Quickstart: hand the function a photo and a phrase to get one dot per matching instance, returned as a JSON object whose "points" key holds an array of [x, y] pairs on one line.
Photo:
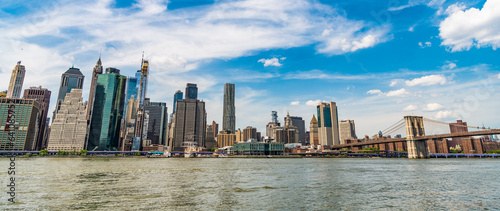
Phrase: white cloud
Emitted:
{"points": [[498, 76], [427, 80], [425, 45], [463, 29], [313, 102], [272, 62], [374, 92], [450, 66], [398, 93], [432, 107], [410, 108], [446, 115], [295, 103]]}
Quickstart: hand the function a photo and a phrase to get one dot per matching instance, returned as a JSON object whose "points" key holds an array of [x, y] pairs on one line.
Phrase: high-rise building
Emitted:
{"points": [[301, 128], [458, 127], [287, 134], [270, 128], [107, 111], [347, 130], [143, 82], [249, 133], [90, 103], [210, 138], [157, 122], [42, 96], [177, 97], [19, 119], [239, 136], [191, 91], [131, 88], [71, 79], [328, 124], [225, 138], [190, 124], [313, 132], [68, 130], [229, 117], [215, 128], [274, 115], [16, 81]]}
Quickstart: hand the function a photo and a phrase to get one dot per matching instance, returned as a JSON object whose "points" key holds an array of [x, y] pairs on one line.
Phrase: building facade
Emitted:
{"points": [[191, 91], [190, 124], [71, 79], [328, 127], [19, 124], [177, 97], [347, 130], [157, 122], [250, 133], [301, 128], [313, 132], [225, 138], [69, 128], [16, 81], [93, 83], [42, 96], [105, 125], [229, 117]]}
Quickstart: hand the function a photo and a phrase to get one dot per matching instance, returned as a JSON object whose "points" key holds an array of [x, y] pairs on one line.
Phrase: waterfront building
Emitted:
{"points": [[190, 121], [258, 148], [250, 133], [347, 130], [69, 128], [157, 122], [19, 118], [191, 91], [229, 117], [16, 81], [328, 124], [98, 68], [177, 97], [105, 125], [301, 128], [225, 138], [313, 132], [42, 96], [458, 127]]}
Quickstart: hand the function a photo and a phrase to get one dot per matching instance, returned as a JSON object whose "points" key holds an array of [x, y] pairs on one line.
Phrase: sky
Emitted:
{"points": [[378, 60]]}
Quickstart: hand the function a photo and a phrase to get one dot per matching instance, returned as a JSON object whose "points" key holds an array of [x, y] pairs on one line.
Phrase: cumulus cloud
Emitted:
{"points": [[398, 93], [432, 107], [313, 102], [295, 103], [425, 45], [450, 66], [427, 80], [410, 108], [272, 62], [466, 28], [446, 115], [374, 92], [498, 76]]}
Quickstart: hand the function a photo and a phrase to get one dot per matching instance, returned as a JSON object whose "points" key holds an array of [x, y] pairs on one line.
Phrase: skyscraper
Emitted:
{"points": [[191, 91], [301, 128], [347, 130], [69, 128], [229, 119], [328, 124], [272, 125], [96, 72], [71, 79], [177, 97], [16, 81], [20, 119], [250, 133], [287, 134], [42, 96], [107, 111], [313, 132], [189, 124], [157, 122], [131, 88]]}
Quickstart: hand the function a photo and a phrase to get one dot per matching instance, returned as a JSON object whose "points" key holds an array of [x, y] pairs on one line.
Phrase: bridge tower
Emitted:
{"points": [[415, 127]]}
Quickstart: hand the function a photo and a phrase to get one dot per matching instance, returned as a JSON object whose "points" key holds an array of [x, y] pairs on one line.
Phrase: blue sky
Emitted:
{"points": [[379, 60]]}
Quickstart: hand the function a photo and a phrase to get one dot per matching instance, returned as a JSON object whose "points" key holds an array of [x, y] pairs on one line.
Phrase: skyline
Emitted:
{"points": [[382, 70]]}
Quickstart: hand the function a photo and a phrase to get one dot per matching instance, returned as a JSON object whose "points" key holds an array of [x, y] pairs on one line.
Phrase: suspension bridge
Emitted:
{"points": [[416, 141]]}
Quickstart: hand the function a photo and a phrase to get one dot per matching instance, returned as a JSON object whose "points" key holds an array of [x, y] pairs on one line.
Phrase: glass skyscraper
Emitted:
{"points": [[177, 97], [191, 91], [71, 79], [131, 88], [107, 111]]}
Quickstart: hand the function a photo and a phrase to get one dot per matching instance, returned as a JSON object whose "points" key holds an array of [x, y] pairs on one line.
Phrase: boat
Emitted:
{"points": [[189, 149]]}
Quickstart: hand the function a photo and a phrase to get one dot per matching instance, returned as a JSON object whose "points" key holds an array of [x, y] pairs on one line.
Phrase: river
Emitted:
{"points": [[138, 183]]}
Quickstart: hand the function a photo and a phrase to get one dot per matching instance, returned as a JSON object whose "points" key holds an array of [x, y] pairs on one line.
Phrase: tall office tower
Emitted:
{"points": [[71, 79], [287, 134], [190, 124], [131, 88], [313, 132], [239, 136], [301, 128], [458, 127], [157, 122], [19, 118], [90, 103], [16, 81], [210, 138], [270, 128], [328, 124], [229, 119], [177, 97], [215, 128], [191, 91], [143, 82], [68, 130], [107, 111], [42, 96], [249, 133], [347, 130], [274, 115]]}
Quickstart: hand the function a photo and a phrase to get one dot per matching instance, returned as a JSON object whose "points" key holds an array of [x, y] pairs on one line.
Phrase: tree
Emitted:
{"points": [[83, 152], [43, 152]]}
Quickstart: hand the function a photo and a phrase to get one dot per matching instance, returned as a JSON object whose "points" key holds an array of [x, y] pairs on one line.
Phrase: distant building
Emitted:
{"points": [[347, 130], [69, 127], [71, 79], [131, 93], [229, 117], [313, 132], [19, 119], [301, 128], [239, 136], [458, 127], [249, 133], [177, 97], [215, 128], [328, 124], [289, 133], [158, 120], [225, 138], [16, 81], [210, 138], [42, 96], [270, 127], [98, 69], [191, 91], [258, 148], [107, 114]]}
